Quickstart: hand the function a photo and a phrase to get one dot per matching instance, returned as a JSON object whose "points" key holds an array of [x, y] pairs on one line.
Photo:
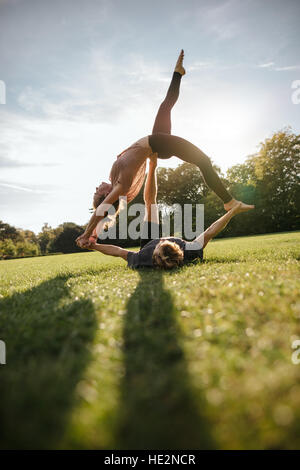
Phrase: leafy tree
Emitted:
{"points": [[277, 169], [7, 249], [27, 248], [46, 235], [28, 235], [243, 173], [242, 182], [64, 240], [270, 180], [9, 231], [181, 185]]}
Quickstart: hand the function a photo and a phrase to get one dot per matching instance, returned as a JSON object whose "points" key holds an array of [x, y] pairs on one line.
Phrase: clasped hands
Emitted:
{"points": [[86, 242]]}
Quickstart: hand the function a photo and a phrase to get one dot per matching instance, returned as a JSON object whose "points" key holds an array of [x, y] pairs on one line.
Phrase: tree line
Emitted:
{"points": [[16, 243], [269, 179]]}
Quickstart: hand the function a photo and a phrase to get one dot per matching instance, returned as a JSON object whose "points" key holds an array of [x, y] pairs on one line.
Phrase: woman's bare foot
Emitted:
{"points": [[239, 206], [179, 67]]}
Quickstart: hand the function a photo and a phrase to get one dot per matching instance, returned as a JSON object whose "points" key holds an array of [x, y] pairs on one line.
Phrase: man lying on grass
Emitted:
{"points": [[169, 252]]}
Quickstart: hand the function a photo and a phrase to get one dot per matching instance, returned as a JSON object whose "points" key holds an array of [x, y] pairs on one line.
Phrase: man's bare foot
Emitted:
{"points": [[179, 67], [239, 206]]}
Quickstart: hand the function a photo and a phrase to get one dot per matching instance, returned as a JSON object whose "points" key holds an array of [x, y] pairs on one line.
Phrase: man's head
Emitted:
{"points": [[101, 192], [167, 255]]}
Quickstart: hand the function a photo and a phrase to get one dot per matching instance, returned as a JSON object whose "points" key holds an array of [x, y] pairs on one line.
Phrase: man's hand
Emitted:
{"points": [[91, 245], [82, 240]]}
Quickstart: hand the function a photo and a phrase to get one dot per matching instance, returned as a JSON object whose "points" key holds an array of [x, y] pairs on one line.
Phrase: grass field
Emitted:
{"points": [[100, 356]]}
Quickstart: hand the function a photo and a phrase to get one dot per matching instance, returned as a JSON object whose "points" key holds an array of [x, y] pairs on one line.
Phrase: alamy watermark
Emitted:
{"points": [[2, 352], [296, 94], [296, 354], [2, 92], [183, 222]]}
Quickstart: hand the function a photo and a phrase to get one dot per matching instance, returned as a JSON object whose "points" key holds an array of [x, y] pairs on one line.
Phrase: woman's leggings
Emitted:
{"points": [[166, 145], [162, 121]]}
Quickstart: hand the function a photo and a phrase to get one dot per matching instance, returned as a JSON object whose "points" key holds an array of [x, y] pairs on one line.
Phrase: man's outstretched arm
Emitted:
{"points": [[220, 224], [150, 193], [110, 250]]}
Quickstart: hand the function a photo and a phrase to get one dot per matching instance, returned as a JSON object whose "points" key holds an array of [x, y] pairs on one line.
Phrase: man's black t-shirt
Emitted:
{"points": [[143, 258]]}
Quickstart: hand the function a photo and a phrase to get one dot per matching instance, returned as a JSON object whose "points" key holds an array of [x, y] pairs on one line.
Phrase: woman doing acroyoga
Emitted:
{"points": [[128, 172]]}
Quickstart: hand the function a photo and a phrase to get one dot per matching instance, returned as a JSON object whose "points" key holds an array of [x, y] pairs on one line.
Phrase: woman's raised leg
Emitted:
{"points": [[162, 121], [167, 146]]}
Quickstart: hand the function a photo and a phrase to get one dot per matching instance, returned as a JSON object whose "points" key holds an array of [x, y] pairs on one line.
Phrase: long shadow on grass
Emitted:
{"points": [[158, 406], [47, 337]]}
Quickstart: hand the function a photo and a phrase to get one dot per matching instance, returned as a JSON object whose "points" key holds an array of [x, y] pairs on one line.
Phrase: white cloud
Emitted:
{"points": [[287, 68], [271, 65], [200, 66], [266, 65], [23, 188]]}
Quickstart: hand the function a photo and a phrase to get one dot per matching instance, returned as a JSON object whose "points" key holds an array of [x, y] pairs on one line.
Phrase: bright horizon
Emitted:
{"points": [[84, 81]]}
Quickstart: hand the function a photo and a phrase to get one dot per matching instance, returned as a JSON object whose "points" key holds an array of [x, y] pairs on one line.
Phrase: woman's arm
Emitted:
{"points": [[99, 214]]}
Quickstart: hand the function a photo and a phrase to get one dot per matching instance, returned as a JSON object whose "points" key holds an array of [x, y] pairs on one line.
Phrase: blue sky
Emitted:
{"points": [[84, 80]]}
